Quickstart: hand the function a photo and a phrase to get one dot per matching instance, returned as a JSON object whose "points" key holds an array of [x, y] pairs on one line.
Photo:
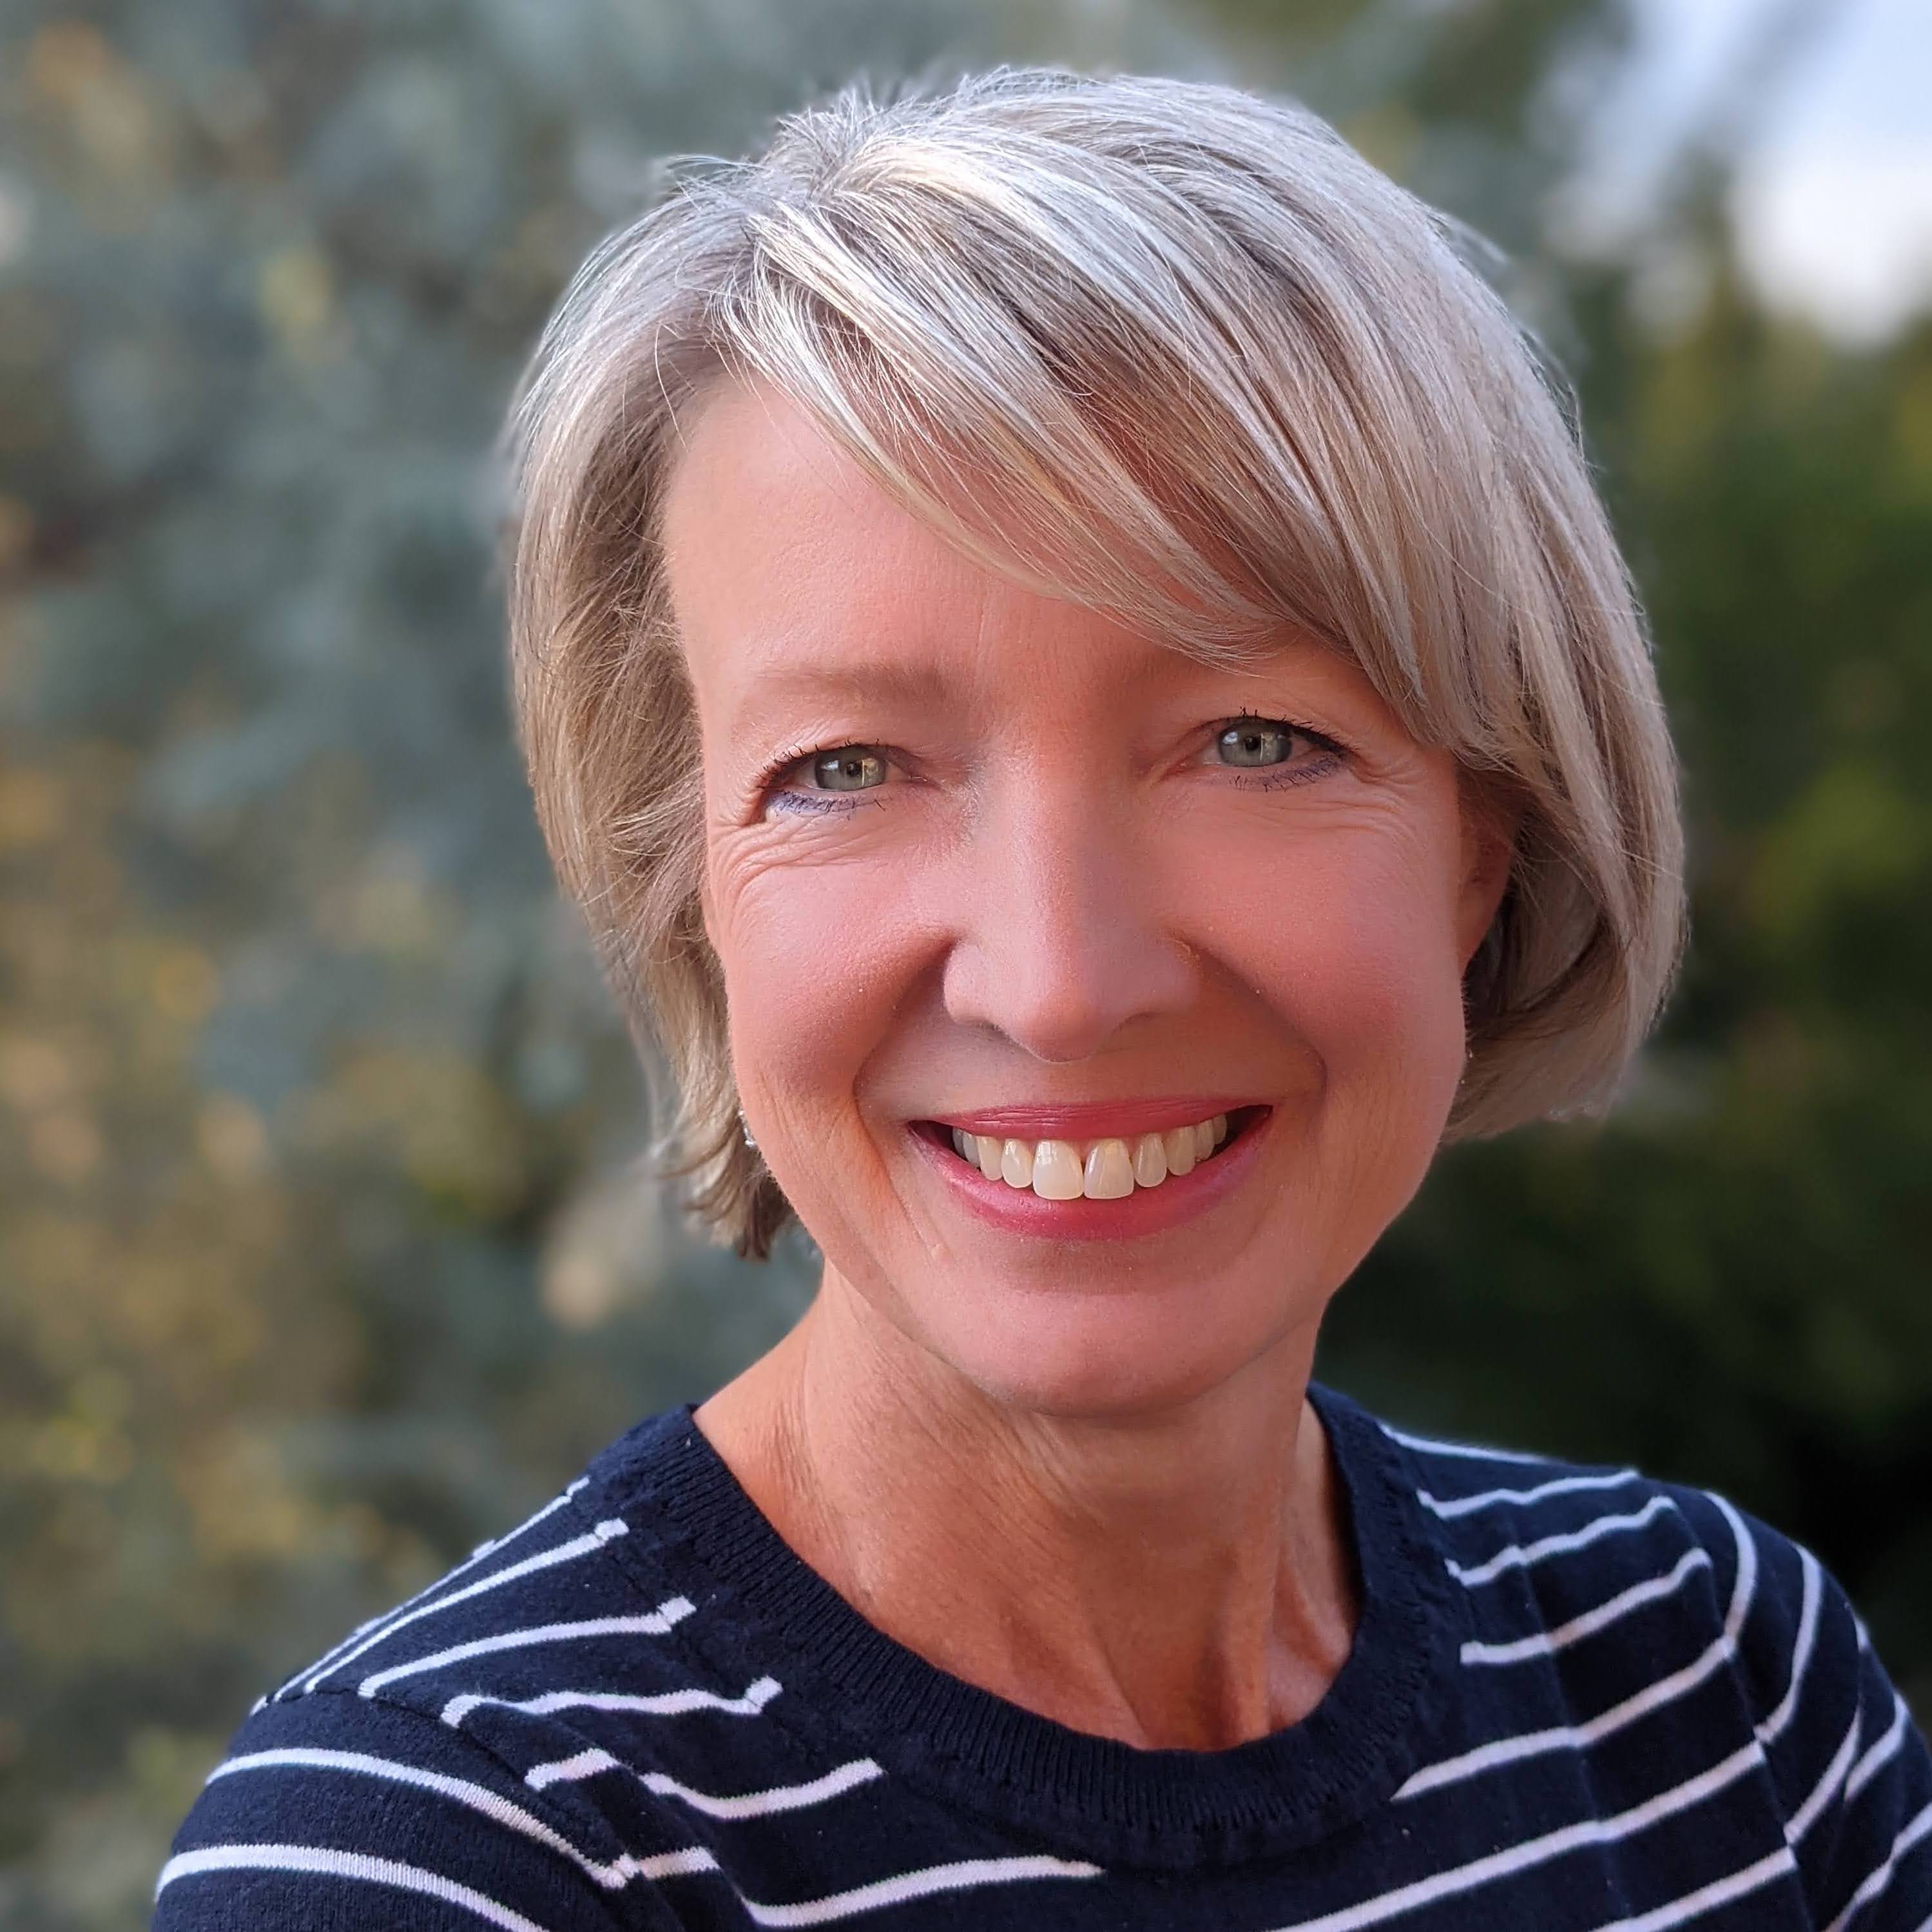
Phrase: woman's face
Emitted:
{"points": [[976, 857]]}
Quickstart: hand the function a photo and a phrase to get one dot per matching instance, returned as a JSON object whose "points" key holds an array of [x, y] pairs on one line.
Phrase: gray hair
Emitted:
{"points": [[1169, 349]]}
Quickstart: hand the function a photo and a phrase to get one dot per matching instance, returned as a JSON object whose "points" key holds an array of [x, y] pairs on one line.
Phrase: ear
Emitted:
{"points": [[1490, 824]]}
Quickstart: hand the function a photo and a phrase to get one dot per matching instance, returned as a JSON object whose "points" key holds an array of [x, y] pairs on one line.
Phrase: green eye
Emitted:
{"points": [[851, 768], [1255, 741]]}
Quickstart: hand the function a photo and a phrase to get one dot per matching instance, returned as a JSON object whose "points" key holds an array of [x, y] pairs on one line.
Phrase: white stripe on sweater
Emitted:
{"points": [[479, 1798], [1708, 1897], [1662, 1691], [968, 1874], [1744, 1586], [1474, 1452], [544, 1559], [677, 1864], [1571, 1737], [1530, 1851], [1769, 1731], [1450, 1507], [1542, 1643], [778, 1797], [1868, 1766], [593, 1763], [344, 1864], [1801, 1820], [1881, 1876], [1519, 1556], [482, 1550], [663, 1704], [674, 1611]]}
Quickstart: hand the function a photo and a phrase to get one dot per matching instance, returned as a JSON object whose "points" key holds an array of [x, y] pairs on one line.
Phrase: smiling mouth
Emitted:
{"points": [[1106, 1168]]}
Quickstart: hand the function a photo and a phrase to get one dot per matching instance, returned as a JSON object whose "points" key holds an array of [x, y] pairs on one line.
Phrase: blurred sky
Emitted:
{"points": [[1835, 201]]}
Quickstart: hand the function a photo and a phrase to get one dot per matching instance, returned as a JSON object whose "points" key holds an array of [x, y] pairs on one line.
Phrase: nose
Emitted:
{"points": [[1061, 941]]}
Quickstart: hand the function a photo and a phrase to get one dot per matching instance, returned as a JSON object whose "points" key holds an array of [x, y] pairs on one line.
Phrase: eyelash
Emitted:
{"points": [[1265, 777], [793, 801]]}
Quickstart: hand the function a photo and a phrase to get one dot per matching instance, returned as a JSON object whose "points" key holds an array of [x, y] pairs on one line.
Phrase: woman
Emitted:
{"points": [[1072, 659]]}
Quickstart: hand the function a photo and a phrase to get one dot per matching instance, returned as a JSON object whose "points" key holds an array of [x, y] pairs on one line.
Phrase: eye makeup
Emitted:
{"points": [[1279, 777]]}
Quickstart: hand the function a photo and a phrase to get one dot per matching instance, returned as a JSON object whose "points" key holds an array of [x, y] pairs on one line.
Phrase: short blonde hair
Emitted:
{"points": [[1170, 350]]}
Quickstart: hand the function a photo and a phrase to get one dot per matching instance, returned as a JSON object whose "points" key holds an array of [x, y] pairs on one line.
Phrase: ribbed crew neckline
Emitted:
{"points": [[764, 1609]]}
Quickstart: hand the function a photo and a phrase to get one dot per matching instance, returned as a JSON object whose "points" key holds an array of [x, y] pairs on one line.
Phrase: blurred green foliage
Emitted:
{"points": [[321, 1252]]}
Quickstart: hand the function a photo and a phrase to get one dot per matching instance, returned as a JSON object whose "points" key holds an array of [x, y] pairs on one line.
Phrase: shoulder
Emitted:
{"points": [[1577, 1535], [411, 1755], [1578, 1562], [1653, 1598], [589, 1569], [324, 1802]]}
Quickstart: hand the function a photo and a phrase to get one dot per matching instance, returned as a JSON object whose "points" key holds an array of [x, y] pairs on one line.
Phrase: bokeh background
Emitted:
{"points": [[323, 1250]]}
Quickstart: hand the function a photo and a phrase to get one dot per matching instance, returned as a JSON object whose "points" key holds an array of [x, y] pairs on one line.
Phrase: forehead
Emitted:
{"points": [[794, 576], [762, 505]]}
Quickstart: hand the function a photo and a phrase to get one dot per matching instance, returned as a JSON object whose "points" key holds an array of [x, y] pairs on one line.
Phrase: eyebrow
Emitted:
{"points": [[794, 677], [865, 681]]}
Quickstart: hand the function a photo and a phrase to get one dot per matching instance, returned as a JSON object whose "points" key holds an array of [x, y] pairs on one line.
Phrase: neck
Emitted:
{"points": [[1177, 1578]]}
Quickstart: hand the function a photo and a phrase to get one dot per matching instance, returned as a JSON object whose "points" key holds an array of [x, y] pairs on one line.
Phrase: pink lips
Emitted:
{"points": [[1093, 1119], [1148, 1211]]}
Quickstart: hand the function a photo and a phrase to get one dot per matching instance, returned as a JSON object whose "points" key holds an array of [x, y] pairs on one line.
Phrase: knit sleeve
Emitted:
{"points": [[1851, 1770], [334, 1812]]}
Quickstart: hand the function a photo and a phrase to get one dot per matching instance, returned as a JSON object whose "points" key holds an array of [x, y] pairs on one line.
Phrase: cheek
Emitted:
{"points": [[816, 960], [1348, 935]]}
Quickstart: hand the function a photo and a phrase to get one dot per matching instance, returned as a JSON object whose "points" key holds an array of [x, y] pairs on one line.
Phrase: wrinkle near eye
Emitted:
{"points": [[814, 804]]}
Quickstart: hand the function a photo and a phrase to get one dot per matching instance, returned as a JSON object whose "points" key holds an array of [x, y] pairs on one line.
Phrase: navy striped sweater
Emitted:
{"points": [[1577, 1699]]}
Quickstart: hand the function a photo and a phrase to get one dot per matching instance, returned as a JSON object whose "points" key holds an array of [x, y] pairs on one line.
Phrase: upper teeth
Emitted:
{"points": [[1102, 1170]]}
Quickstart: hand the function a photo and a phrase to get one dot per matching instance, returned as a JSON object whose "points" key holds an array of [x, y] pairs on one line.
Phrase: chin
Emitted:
{"points": [[1101, 1359]]}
